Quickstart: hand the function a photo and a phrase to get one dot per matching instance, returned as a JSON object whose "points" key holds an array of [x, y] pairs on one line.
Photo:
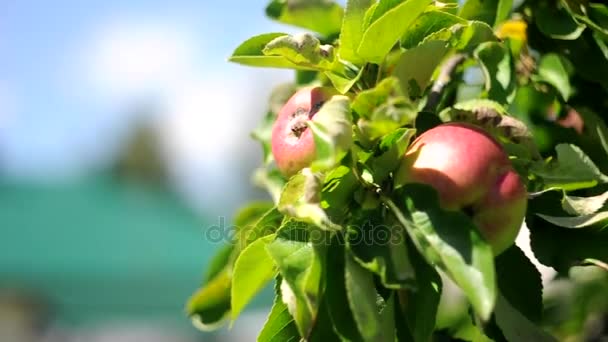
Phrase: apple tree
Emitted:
{"points": [[416, 139]]}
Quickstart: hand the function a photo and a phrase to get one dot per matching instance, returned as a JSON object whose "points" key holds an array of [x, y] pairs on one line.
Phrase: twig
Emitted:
{"points": [[445, 75]]}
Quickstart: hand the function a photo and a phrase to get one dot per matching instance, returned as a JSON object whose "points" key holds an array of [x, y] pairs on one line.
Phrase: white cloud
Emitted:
{"points": [[208, 106], [132, 58]]}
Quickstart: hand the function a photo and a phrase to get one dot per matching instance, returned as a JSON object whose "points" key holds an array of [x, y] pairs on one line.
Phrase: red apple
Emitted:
{"points": [[471, 172], [293, 145]]}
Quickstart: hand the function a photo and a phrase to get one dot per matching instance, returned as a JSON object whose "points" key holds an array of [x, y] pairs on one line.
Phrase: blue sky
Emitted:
{"points": [[71, 71]]}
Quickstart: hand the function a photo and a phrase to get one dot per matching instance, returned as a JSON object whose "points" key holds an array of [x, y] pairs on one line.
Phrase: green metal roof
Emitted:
{"points": [[100, 248]]}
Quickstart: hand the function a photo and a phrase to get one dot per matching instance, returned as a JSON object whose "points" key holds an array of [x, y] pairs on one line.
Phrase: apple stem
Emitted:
{"points": [[444, 78]]}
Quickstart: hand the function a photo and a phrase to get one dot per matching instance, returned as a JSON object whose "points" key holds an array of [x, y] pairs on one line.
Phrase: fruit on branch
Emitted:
{"points": [[293, 145], [471, 172]]}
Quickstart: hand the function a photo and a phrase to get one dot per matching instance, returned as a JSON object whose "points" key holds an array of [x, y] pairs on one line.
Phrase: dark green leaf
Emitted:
{"points": [[556, 22], [498, 71], [382, 34], [515, 326], [380, 247], [251, 53], [323, 16], [362, 296], [524, 292], [557, 247], [253, 269], [335, 294], [423, 303], [323, 329], [449, 240]]}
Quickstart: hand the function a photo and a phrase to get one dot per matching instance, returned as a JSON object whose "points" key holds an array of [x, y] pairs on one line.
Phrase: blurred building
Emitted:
{"points": [[109, 256]]}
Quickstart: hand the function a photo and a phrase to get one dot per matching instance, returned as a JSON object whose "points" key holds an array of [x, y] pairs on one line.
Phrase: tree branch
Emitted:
{"points": [[445, 76]]}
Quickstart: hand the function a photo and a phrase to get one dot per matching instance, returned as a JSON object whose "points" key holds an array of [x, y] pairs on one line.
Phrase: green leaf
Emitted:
{"points": [[416, 66], [468, 331], [562, 248], [251, 53], [380, 247], [279, 326], [578, 221], [271, 180], [344, 77], [332, 131], [301, 199], [362, 296], [338, 189], [503, 10], [556, 71], [210, 305], [572, 170], [515, 326], [498, 71], [300, 267], [253, 269], [302, 49], [556, 22], [426, 24], [575, 205], [387, 318], [323, 16], [524, 292], [450, 241], [382, 34], [481, 10], [265, 225], [323, 329], [423, 303], [463, 36], [368, 100], [352, 30], [390, 153], [335, 293]]}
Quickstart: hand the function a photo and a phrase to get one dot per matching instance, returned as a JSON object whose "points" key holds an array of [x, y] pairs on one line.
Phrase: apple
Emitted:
{"points": [[292, 141], [471, 172]]}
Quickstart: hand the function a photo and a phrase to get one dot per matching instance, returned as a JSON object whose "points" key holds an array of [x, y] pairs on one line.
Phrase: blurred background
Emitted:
{"points": [[124, 136]]}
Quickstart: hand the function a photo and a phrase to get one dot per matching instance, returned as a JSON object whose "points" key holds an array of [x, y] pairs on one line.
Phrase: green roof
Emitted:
{"points": [[100, 248]]}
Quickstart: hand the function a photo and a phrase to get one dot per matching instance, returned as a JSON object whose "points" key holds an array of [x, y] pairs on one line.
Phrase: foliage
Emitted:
{"points": [[356, 258]]}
